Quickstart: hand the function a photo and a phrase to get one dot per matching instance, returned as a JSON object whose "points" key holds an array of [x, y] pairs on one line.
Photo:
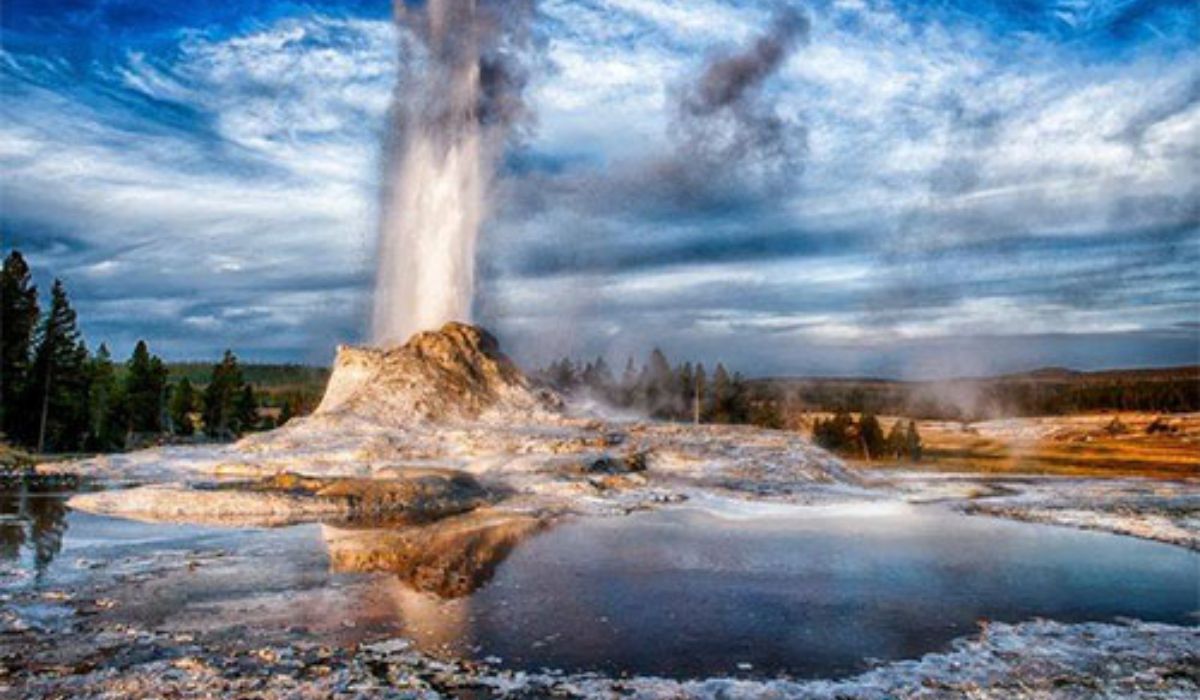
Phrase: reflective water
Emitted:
{"points": [[812, 593], [32, 524], [681, 592]]}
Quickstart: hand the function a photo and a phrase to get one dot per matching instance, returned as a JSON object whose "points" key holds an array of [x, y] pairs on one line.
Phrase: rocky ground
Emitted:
{"points": [[445, 431], [1153, 509], [95, 641], [1031, 660]]}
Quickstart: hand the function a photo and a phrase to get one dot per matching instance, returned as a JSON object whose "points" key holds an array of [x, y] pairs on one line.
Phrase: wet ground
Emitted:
{"points": [[729, 589]]}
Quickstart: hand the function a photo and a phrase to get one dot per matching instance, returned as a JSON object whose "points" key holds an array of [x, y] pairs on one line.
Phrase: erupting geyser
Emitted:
{"points": [[458, 96]]}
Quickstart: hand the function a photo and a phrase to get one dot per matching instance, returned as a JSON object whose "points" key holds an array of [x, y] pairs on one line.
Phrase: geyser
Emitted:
{"points": [[458, 96]]}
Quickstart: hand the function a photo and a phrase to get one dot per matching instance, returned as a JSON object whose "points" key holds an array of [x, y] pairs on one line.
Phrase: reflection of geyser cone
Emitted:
{"points": [[449, 558], [452, 374]]}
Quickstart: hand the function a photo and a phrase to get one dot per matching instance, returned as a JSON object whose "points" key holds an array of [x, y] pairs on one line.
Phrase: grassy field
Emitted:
{"points": [[1081, 445]]}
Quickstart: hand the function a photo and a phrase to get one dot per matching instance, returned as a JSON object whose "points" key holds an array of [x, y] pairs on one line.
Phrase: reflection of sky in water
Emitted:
{"points": [[809, 592], [684, 593]]}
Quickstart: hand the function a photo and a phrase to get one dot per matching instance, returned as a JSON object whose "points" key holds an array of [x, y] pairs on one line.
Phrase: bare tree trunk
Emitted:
{"points": [[696, 405]]}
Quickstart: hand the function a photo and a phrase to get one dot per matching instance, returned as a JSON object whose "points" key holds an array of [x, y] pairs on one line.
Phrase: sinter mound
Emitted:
{"points": [[455, 373]]}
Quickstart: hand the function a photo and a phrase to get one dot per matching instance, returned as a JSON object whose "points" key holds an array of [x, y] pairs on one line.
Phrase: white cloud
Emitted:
{"points": [[242, 172]]}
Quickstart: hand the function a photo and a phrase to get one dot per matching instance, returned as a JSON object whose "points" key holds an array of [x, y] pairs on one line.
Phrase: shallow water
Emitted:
{"points": [[807, 592], [735, 589]]}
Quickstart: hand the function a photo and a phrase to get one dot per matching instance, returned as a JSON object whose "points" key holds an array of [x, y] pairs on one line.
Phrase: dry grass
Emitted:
{"points": [[1081, 445]]}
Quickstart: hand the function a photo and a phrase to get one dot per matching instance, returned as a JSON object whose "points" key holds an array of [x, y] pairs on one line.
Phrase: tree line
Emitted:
{"points": [[684, 392], [57, 396], [865, 437]]}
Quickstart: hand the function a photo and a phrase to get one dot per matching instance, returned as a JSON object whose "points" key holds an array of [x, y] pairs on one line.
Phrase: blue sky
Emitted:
{"points": [[970, 186]]}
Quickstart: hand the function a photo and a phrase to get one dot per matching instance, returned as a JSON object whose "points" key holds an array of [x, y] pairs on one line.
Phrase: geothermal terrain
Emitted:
{"points": [[430, 464]]}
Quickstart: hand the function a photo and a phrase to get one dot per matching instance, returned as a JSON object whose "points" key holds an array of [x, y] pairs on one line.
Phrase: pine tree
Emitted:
{"points": [[912, 440], [183, 403], [18, 319], [562, 375], [722, 395], [145, 390], [220, 396], [896, 440], [288, 411], [105, 404], [660, 368], [245, 411], [685, 382], [870, 437], [658, 386], [598, 377], [629, 379], [699, 394], [739, 400], [834, 434], [59, 377], [821, 434]]}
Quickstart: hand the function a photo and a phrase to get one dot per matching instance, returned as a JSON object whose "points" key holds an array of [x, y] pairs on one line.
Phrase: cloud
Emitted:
{"points": [[975, 175], [264, 192]]}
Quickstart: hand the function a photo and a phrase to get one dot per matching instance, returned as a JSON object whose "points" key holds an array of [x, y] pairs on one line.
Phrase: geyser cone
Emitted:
{"points": [[455, 373]]}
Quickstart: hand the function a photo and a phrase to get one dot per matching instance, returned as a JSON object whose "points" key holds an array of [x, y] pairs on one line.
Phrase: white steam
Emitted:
{"points": [[452, 112]]}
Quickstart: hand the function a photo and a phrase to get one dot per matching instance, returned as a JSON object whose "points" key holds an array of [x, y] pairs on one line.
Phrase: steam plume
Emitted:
{"points": [[457, 100], [722, 115]]}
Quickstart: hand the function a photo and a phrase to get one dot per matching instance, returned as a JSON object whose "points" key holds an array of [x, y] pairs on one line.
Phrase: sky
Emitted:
{"points": [[912, 189]]}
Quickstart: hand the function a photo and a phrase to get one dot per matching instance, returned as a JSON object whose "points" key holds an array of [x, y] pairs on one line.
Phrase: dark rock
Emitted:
{"points": [[612, 464]]}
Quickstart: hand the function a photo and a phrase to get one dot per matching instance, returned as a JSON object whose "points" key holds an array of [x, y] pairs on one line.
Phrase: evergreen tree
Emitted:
{"points": [[604, 374], [739, 400], [834, 434], [765, 411], [183, 403], [660, 368], [288, 411], [145, 390], [819, 432], [18, 319], [912, 440], [598, 377], [105, 404], [245, 411], [896, 441], [562, 375], [629, 379], [58, 385], [658, 386], [722, 395], [220, 396], [685, 382], [699, 394], [870, 437]]}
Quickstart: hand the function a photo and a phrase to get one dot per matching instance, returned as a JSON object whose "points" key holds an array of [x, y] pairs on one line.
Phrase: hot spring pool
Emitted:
{"points": [[802, 591], [682, 592]]}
